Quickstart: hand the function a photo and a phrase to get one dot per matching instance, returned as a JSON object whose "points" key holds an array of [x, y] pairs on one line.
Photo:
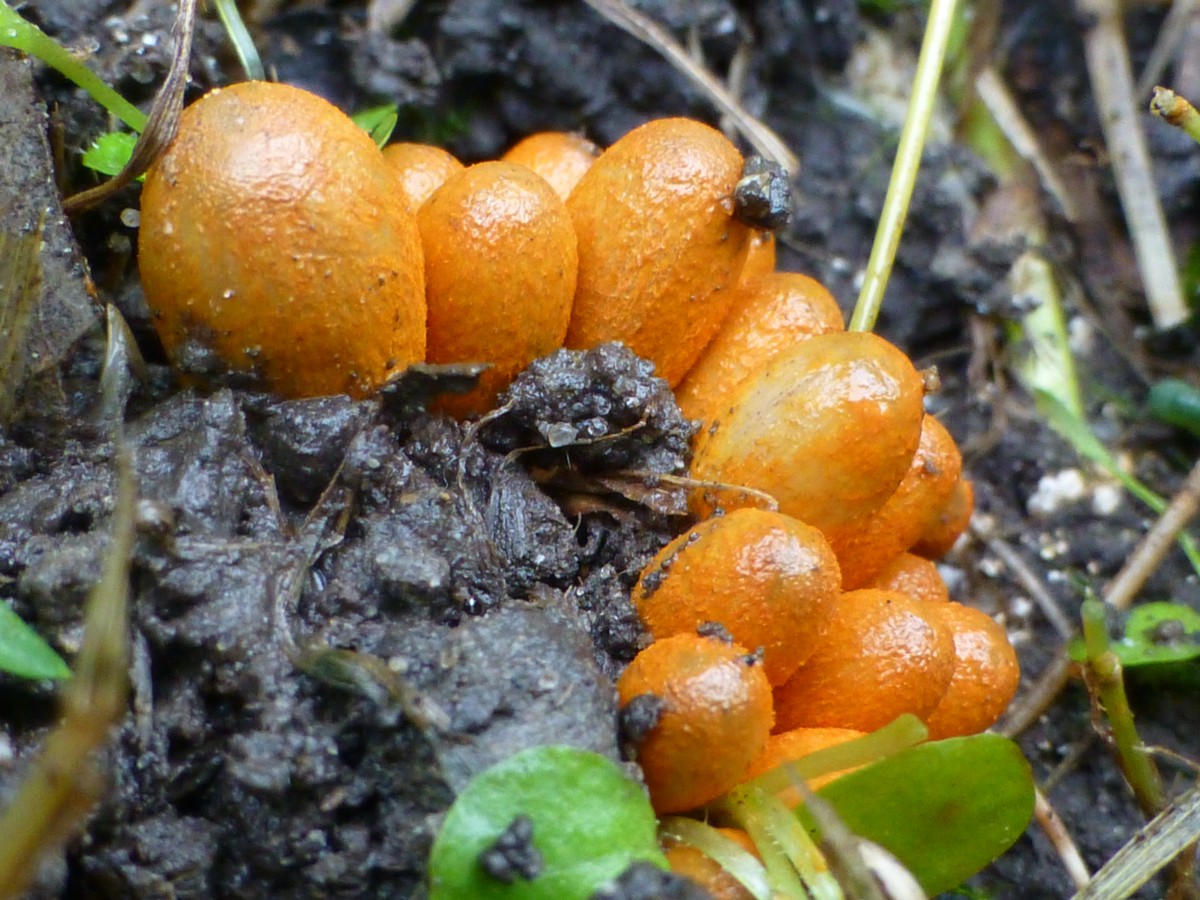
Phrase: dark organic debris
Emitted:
{"points": [[602, 408], [513, 854], [646, 881]]}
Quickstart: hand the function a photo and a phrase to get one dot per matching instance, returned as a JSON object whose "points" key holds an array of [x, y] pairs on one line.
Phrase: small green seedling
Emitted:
{"points": [[548, 823], [23, 652], [110, 152], [1155, 634], [22, 35], [378, 121]]}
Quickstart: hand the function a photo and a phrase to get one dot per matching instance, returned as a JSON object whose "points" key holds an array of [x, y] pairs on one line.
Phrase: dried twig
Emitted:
{"points": [[1030, 581], [1056, 832], [63, 783], [1170, 35], [765, 141], [1153, 548], [1112, 87], [162, 124], [995, 95]]}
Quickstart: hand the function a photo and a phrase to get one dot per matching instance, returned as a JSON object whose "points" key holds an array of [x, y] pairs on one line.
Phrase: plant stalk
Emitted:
{"points": [[908, 162]]}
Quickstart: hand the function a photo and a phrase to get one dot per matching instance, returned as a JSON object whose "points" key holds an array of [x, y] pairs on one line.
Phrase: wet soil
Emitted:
{"points": [[343, 610]]}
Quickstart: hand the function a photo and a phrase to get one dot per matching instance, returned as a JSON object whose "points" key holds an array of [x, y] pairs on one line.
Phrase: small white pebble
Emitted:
{"points": [[990, 566], [1080, 336], [1055, 491], [1020, 607], [1106, 499]]}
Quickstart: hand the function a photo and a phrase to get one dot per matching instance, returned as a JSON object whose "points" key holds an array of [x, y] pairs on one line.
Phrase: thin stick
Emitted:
{"points": [[1034, 702], [645, 29], [1170, 34], [162, 123], [1149, 554], [1112, 88], [996, 97], [904, 170], [239, 36], [63, 784], [1056, 832], [20, 34]]}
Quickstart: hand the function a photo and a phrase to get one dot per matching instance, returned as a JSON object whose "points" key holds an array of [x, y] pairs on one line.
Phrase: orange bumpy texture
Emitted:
{"points": [[884, 655], [500, 272], [914, 576], [760, 258], [986, 673], [420, 169], [659, 248], [273, 243], [558, 156], [769, 579], [716, 715], [691, 863], [769, 314], [789, 746], [915, 505], [827, 428], [949, 524]]}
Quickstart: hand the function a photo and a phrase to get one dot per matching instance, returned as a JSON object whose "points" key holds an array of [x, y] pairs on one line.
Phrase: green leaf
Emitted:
{"points": [[945, 809], [378, 121], [590, 821], [23, 652], [110, 152], [1177, 403], [1159, 633]]}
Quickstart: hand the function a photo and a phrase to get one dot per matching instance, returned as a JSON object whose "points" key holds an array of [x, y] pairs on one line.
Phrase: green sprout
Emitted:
{"points": [[25, 653], [22, 35], [938, 29]]}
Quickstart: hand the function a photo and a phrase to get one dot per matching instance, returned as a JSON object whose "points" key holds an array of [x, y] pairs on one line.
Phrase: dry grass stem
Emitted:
{"points": [[1170, 35], [1150, 552], [1030, 582], [1112, 86], [765, 141], [162, 124], [995, 95], [1064, 845]]}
